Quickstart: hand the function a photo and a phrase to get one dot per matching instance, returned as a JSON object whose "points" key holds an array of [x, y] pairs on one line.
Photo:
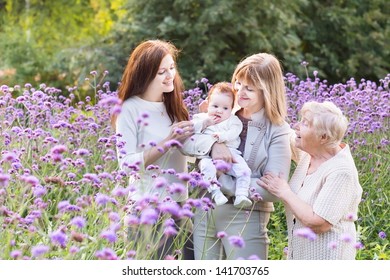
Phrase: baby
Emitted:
{"points": [[225, 127]]}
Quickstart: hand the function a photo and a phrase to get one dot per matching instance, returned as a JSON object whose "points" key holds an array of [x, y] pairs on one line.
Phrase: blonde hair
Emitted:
{"points": [[264, 72], [327, 119]]}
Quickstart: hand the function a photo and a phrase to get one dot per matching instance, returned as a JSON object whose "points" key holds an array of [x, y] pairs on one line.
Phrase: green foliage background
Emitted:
{"points": [[60, 42]]}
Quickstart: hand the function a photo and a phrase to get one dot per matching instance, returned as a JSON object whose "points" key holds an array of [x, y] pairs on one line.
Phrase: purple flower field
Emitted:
{"points": [[62, 195]]}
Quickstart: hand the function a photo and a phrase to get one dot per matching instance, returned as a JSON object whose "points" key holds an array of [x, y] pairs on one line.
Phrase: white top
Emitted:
{"points": [[228, 130], [140, 124], [334, 192]]}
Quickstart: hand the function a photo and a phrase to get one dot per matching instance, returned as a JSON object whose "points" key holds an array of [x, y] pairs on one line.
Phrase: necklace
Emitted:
{"points": [[159, 106]]}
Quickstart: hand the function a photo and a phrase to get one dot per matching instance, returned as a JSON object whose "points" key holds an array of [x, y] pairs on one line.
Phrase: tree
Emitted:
{"points": [[347, 38], [40, 39], [60, 42], [215, 35]]}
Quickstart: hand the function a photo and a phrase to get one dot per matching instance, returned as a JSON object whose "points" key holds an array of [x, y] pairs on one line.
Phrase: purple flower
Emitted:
{"points": [[351, 217], [253, 257], [59, 237], [9, 156], [304, 63], [152, 143], [184, 176], [186, 213], [119, 191], [203, 184], [236, 241], [116, 109], [359, 245], [32, 180], [382, 235], [82, 152], [170, 207], [102, 199], [222, 165], [149, 216], [204, 80], [4, 179], [109, 235], [16, 254], [113, 216], [131, 220], [145, 115], [256, 197], [170, 231], [332, 245], [39, 250], [176, 188], [346, 237], [110, 100], [221, 234], [39, 191], [305, 233], [179, 131], [62, 205], [131, 254], [169, 222], [78, 222], [173, 143], [74, 249], [59, 149], [106, 254]]}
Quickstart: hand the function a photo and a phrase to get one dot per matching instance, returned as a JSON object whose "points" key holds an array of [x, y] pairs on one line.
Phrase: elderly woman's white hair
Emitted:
{"points": [[327, 119]]}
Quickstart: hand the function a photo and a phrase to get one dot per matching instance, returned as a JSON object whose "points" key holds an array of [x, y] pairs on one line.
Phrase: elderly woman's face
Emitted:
{"points": [[306, 138]]}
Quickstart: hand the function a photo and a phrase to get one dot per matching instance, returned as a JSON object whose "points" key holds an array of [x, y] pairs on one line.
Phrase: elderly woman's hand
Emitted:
{"points": [[274, 184]]}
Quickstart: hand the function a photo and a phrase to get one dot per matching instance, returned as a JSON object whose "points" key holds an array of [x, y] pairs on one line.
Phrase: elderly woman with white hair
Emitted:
{"points": [[323, 194]]}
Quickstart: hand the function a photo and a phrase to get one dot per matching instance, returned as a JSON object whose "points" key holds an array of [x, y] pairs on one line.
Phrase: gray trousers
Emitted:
{"points": [[250, 225]]}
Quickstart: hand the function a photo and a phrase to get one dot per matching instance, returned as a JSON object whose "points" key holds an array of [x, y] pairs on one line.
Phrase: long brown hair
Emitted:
{"points": [[142, 68]]}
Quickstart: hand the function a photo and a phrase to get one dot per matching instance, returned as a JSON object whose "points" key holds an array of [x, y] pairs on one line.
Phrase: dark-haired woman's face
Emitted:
{"points": [[163, 82]]}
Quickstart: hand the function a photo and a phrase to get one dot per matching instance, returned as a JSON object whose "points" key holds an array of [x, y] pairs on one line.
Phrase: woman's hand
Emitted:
{"points": [[181, 131], [274, 184], [220, 151], [203, 106]]}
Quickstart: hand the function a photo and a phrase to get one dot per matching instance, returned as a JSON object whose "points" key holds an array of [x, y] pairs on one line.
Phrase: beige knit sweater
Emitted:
{"points": [[334, 192]]}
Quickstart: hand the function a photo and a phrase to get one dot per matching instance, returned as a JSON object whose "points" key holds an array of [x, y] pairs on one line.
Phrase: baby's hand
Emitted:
{"points": [[216, 136], [210, 121]]}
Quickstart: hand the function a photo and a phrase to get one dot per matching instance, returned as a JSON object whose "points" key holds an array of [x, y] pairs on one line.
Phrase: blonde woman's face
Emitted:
{"points": [[249, 97]]}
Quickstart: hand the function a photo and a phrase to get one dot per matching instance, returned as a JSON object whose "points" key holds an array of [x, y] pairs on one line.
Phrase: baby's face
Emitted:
{"points": [[220, 106]]}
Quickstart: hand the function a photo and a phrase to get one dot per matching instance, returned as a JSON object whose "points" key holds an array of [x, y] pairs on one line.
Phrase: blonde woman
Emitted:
{"points": [[227, 232]]}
